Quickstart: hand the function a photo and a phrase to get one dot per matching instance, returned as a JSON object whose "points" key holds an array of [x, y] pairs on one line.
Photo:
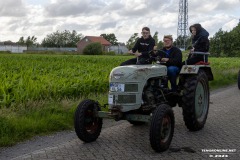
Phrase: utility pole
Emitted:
{"points": [[182, 24]]}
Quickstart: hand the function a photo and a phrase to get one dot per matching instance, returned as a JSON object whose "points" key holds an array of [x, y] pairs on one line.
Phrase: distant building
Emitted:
{"points": [[12, 47], [119, 49], [90, 39]]}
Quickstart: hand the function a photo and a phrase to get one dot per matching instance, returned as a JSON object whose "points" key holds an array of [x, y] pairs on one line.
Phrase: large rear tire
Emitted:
{"points": [[239, 79], [87, 125], [162, 128], [195, 101]]}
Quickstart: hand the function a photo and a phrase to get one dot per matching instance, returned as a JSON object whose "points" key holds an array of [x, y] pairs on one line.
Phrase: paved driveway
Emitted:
{"points": [[220, 138]]}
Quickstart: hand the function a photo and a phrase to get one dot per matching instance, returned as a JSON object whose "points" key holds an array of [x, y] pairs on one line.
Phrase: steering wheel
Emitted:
{"points": [[157, 56]]}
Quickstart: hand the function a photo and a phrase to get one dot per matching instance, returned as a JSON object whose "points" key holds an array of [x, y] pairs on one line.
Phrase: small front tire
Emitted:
{"points": [[87, 125], [162, 128]]}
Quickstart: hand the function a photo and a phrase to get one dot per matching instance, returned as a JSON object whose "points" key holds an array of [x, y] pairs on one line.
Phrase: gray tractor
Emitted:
{"points": [[139, 94]]}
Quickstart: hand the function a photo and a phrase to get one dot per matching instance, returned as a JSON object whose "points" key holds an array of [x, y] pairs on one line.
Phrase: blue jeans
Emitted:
{"points": [[172, 72]]}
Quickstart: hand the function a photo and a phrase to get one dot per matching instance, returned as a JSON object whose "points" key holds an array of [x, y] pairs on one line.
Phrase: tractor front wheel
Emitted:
{"points": [[87, 125], [162, 128]]}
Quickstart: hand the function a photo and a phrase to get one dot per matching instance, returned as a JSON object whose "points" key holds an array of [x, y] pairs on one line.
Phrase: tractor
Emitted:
{"points": [[139, 94]]}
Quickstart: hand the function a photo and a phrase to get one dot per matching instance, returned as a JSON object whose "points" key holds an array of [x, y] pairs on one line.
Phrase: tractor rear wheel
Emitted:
{"points": [[195, 101]]}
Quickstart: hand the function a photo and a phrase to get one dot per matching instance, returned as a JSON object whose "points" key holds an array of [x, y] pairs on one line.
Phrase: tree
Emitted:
{"points": [[155, 37], [132, 40], [110, 38], [62, 39], [21, 41], [93, 49], [225, 43], [30, 41], [160, 45], [180, 40]]}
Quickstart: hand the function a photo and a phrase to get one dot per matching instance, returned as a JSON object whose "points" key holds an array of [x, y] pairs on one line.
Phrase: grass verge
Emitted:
{"points": [[22, 123]]}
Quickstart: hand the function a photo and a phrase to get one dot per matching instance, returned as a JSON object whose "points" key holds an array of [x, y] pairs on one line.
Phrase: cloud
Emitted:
{"points": [[62, 8], [121, 17], [12, 8], [107, 25]]}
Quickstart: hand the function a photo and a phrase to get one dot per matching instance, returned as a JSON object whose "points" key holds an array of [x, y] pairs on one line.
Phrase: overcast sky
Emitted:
{"points": [[121, 17]]}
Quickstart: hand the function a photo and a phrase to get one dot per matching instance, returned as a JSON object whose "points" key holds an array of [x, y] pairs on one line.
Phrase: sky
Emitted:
{"points": [[122, 17]]}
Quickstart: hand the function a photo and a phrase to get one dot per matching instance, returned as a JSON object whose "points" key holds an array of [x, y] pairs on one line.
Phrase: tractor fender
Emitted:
{"points": [[194, 69]]}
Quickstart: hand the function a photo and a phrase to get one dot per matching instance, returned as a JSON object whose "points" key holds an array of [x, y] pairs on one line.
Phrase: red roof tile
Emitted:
{"points": [[102, 40]]}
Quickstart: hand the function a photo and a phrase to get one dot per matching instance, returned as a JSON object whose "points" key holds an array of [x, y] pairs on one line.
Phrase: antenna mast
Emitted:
{"points": [[182, 24]]}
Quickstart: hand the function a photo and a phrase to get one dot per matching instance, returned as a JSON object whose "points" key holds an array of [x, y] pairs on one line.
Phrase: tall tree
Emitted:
{"points": [[62, 39], [110, 38], [225, 43], [21, 41], [132, 40], [29, 41]]}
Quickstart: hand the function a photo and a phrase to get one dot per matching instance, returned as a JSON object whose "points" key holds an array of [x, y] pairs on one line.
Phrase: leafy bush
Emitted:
{"points": [[93, 49]]}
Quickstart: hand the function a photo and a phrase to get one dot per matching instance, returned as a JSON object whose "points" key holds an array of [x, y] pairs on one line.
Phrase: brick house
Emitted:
{"points": [[90, 39]]}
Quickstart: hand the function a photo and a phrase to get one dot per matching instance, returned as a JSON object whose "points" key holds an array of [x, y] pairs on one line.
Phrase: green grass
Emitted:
{"points": [[39, 93], [18, 124], [224, 71], [26, 78], [27, 123]]}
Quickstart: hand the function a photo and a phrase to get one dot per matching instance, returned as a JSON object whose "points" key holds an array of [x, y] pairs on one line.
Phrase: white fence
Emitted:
{"points": [[13, 49], [67, 49]]}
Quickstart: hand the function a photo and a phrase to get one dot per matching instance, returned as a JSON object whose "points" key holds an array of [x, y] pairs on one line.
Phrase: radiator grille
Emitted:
{"points": [[131, 87], [126, 98]]}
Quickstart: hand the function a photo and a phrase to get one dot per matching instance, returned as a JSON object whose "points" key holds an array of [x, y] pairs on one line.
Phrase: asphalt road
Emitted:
{"points": [[219, 139]]}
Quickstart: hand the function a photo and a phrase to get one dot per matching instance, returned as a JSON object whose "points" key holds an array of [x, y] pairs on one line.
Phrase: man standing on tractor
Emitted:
{"points": [[143, 46], [172, 59]]}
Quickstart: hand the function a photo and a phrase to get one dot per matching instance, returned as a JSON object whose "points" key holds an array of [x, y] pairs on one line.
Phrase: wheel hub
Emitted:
{"points": [[166, 129], [200, 99]]}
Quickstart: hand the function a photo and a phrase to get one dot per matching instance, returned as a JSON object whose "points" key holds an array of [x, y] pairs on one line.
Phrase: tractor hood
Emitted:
{"points": [[135, 73]]}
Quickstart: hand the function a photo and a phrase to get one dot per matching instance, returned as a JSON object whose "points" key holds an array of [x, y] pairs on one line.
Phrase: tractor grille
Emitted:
{"points": [[126, 98], [131, 87]]}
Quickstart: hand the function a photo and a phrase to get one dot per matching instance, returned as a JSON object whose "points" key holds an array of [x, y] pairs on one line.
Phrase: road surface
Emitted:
{"points": [[219, 139]]}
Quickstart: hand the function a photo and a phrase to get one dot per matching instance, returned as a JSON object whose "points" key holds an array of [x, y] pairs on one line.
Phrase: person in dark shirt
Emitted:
{"points": [[172, 59], [200, 43], [143, 46]]}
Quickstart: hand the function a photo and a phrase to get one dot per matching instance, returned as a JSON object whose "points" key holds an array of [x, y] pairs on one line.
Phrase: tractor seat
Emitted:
{"points": [[202, 63]]}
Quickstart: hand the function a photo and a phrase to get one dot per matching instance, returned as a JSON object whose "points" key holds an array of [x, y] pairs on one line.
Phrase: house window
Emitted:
{"points": [[86, 40]]}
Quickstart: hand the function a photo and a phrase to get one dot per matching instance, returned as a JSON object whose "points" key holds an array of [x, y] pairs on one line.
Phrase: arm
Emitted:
{"points": [[176, 59], [135, 48]]}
